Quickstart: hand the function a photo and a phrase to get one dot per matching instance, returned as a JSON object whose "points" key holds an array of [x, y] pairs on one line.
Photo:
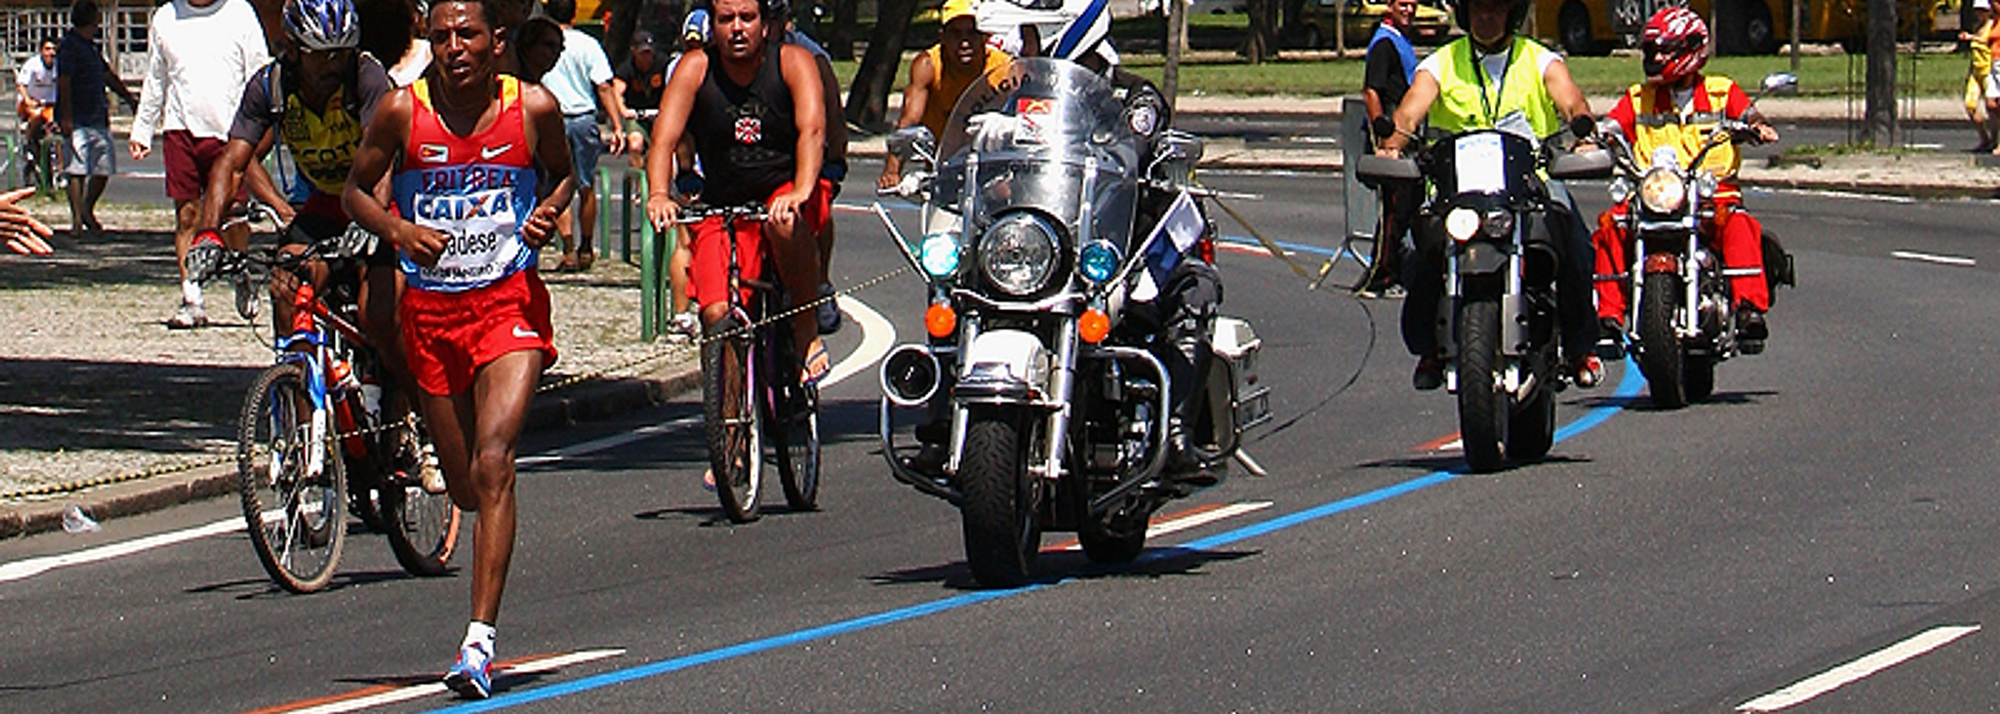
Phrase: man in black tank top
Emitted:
{"points": [[756, 112]]}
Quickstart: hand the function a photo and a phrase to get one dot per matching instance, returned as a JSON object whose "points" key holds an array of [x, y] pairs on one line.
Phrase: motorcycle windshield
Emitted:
{"points": [[1046, 135], [1484, 162]]}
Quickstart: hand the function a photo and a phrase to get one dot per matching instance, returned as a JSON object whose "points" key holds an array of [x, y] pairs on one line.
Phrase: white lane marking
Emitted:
{"points": [[1856, 670], [419, 691], [1933, 258], [877, 337], [23, 569], [1195, 519]]}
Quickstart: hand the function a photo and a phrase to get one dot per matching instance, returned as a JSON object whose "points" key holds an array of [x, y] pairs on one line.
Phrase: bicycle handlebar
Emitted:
{"points": [[696, 213]]}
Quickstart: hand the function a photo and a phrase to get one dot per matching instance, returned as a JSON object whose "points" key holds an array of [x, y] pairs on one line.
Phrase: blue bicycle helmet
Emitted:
{"points": [[322, 24]]}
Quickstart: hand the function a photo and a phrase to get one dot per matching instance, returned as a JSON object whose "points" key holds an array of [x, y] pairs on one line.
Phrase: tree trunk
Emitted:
{"points": [[621, 19], [1263, 41], [1170, 78], [868, 99], [840, 36], [1879, 129]]}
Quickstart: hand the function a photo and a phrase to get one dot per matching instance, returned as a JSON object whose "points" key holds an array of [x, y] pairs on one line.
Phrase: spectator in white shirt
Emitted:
{"points": [[202, 52], [581, 72]]}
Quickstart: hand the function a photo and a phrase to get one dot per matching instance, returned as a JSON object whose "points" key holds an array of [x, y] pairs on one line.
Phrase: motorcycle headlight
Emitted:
{"points": [[939, 255], [1018, 253], [1098, 261], [1662, 191], [1498, 224], [1461, 223]]}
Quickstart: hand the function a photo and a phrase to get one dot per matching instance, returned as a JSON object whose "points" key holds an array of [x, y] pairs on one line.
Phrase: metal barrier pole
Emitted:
{"points": [[625, 214], [653, 261], [603, 213]]}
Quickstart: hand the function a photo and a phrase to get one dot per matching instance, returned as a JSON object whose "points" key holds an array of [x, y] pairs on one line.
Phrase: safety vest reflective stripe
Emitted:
{"points": [[1666, 126]]}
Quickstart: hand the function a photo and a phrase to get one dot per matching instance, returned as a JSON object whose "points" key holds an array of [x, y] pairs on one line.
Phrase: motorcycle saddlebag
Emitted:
{"points": [[1235, 345]]}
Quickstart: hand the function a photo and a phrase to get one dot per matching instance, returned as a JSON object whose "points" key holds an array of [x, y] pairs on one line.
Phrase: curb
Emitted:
{"points": [[593, 401]]}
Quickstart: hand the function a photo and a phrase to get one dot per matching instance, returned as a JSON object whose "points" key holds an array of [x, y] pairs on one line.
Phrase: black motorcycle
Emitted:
{"points": [[1498, 321]]}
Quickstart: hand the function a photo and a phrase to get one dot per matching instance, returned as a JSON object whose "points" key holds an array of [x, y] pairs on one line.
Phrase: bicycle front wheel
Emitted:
{"points": [[422, 527], [292, 481], [797, 434], [734, 423]]}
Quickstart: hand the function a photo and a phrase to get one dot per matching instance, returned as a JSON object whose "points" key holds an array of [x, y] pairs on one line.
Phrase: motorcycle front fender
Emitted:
{"points": [[1003, 366], [1662, 263], [1481, 258]]}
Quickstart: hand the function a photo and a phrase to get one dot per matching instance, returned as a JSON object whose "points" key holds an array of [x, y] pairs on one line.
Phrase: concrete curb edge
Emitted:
{"points": [[592, 401]]}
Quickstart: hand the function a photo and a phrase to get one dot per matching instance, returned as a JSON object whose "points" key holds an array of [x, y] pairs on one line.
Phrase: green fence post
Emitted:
{"points": [[603, 187], [652, 310]]}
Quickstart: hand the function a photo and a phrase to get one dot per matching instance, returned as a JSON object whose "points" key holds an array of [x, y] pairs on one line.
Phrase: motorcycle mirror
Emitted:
{"points": [[1383, 126], [1582, 126], [911, 141], [1781, 84]]}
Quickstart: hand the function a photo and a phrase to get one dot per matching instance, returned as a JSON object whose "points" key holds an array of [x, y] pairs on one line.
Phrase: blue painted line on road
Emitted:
{"points": [[1249, 242], [1628, 386]]}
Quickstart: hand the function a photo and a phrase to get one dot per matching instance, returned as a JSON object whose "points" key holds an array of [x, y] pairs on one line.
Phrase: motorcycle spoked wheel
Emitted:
{"points": [[1002, 501], [1661, 358], [1484, 406]]}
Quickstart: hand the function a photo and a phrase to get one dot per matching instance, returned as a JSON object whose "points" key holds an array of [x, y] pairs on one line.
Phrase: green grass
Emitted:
{"points": [[1220, 73]]}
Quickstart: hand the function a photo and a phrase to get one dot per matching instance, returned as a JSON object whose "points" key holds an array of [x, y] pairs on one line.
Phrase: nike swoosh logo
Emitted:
{"points": [[525, 333], [488, 152]]}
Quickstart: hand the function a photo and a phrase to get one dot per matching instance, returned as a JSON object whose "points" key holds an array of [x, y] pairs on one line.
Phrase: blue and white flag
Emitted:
{"points": [[1178, 230]]}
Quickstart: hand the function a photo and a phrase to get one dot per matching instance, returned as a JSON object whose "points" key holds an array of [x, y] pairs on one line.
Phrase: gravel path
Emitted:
{"points": [[92, 384]]}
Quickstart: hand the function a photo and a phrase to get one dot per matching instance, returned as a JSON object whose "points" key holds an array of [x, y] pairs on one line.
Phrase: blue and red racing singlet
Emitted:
{"points": [[477, 190]]}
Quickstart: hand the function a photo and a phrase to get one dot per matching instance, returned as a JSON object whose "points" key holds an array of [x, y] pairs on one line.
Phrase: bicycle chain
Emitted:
{"points": [[564, 383]]}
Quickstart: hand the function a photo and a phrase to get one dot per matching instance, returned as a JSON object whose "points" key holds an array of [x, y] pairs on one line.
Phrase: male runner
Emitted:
{"points": [[482, 170]]}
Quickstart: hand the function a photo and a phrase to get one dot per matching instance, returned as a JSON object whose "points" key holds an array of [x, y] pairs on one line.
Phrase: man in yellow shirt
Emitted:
{"points": [[941, 74], [1977, 75]]}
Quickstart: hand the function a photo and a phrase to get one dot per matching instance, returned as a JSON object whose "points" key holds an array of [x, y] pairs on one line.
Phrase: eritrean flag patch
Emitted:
{"points": [[433, 153]]}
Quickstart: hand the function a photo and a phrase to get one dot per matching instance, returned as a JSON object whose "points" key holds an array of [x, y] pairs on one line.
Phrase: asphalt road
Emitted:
{"points": [[1832, 501]]}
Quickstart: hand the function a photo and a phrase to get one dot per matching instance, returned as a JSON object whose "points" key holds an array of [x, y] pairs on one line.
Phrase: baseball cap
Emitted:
{"points": [[954, 9], [695, 27], [1981, 5], [642, 38]]}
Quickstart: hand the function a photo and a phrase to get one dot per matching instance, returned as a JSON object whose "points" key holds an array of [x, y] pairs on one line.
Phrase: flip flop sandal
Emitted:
{"points": [[708, 479], [817, 364]]}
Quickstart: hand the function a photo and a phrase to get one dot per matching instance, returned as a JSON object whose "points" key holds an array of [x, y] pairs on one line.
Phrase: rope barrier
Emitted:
{"points": [[564, 383]]}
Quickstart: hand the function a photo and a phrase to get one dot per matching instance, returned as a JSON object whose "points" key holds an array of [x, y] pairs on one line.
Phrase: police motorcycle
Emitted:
{"points": [[1681, 318], [1044, 408], [1498, 321]]}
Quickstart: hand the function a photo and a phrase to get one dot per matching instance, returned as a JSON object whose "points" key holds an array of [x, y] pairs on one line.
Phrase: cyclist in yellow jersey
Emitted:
{"points": [[940, 74], [1493, 78]]}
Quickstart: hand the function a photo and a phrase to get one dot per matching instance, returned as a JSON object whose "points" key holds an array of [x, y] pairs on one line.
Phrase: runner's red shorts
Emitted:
{"points": [[449, 336], [709, 270]]}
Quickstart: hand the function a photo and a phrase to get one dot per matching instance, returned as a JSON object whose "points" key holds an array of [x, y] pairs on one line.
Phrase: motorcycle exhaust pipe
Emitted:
{"points": [[910, 376]]}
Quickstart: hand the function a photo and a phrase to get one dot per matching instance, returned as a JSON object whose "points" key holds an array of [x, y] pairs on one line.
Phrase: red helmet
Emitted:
{"points": [[1674, 45]]}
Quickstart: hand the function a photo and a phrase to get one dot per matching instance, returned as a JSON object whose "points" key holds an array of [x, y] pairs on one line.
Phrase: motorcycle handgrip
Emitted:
{"points": [[1582, 126]]}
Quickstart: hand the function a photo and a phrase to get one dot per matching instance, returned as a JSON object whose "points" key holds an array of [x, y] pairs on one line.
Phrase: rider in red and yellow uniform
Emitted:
{"points": [[1678, 106]]}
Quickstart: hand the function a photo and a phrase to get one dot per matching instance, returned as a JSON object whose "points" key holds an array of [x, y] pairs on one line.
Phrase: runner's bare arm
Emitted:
{"points": [[381, 146], [675, 103], [544, 132]]}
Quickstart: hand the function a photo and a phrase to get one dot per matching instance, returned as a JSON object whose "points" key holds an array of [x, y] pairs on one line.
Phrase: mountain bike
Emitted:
{"points": [[750, 384], [313, 442]]}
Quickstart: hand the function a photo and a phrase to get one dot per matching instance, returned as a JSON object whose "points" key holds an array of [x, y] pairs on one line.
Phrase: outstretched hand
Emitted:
{"points": [[662, 209], [25, 234]]}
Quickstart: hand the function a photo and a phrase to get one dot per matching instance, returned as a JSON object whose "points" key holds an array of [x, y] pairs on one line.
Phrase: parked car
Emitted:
{"points": [[1315, 25], [1753, 27]]}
